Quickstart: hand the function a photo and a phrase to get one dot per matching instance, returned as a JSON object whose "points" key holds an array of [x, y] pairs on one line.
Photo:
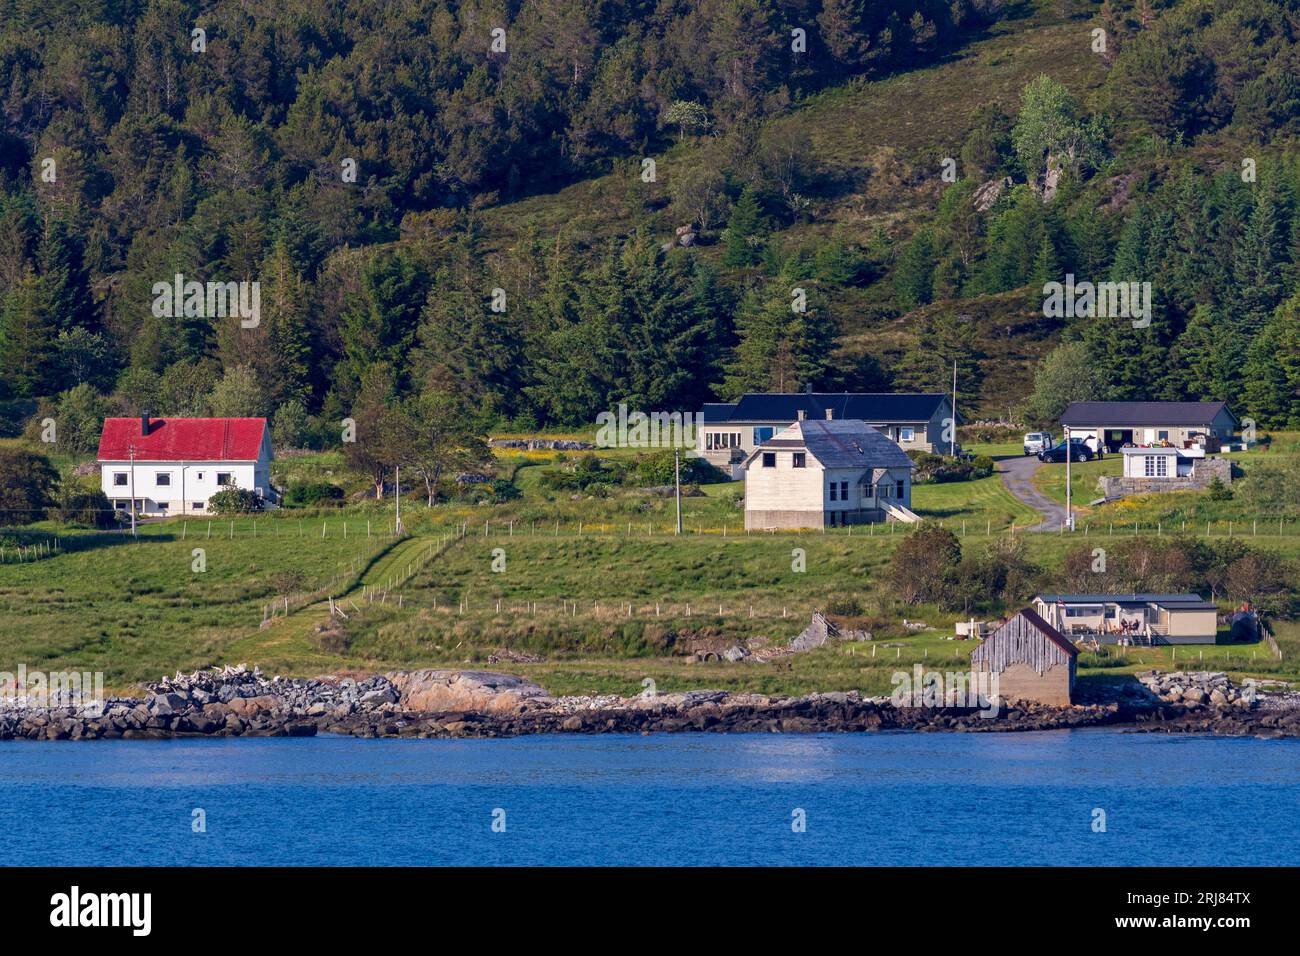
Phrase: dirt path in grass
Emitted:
{"points": [[285, 639], [1017, 475]]}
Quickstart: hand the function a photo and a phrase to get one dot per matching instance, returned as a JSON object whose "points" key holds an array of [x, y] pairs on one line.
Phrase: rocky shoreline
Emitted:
{"points": [[239, 702]]}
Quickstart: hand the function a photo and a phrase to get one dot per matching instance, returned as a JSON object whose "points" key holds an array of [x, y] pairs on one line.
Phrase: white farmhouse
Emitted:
{"points": [[827, 473], [173, 466]]}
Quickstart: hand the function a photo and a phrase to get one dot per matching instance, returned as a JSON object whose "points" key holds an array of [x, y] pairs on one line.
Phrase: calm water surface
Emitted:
{"points": [[875, 799]]}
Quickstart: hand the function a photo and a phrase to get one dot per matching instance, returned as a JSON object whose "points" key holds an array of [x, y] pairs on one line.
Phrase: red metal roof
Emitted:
{"points": [[183, 439]]}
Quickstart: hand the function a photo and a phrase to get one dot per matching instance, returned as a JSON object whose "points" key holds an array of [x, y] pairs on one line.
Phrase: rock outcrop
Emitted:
{"points": [[236, 701], [440, 691]]}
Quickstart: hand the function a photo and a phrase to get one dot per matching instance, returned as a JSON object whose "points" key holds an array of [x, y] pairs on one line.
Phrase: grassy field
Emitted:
{"points": [[603, 606], [598, 586]]}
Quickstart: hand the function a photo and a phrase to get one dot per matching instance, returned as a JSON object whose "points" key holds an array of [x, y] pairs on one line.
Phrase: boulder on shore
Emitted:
{"points": [[442, 691]]}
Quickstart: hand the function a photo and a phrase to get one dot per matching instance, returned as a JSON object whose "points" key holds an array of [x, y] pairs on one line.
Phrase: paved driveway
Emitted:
{"points": [[1016, 473]]}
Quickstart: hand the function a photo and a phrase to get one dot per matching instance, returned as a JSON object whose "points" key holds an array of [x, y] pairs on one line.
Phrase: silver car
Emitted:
{"points": [[1037, 441]]}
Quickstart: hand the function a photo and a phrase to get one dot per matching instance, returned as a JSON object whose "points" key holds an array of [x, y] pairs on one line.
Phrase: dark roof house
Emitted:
{"points": [[872, 407], [1144, 414]]}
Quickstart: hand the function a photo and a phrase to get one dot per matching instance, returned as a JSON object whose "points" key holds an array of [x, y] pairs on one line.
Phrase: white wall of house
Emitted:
{"points": [[178, 487], [812, 496]]}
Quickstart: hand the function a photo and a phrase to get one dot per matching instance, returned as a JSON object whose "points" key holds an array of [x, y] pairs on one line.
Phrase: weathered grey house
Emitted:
{"points": [[1031, 659], [827, 473], [731, 432], [1181, 424]]}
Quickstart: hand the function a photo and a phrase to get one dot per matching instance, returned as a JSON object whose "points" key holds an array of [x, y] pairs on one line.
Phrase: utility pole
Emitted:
{"points": [[398, 526], [1069, 501], [952, 441], [677, 485], [131, 450]]}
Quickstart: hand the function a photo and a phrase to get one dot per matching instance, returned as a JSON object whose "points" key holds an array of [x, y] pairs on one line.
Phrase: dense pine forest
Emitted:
{"points": [[525, 213]]}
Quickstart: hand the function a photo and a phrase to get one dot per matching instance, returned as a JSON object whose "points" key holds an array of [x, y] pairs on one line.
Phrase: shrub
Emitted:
{"points": [[312, 494], [27, 485], [1218, 491], [235, 501], [586, 471], [924, 565], [929, 468], [845, 605], [90, 509], [503, 490], [656, 470]]}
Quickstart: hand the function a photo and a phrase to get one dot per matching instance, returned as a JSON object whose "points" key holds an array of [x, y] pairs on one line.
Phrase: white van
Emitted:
{"points": [[1037, 441]]}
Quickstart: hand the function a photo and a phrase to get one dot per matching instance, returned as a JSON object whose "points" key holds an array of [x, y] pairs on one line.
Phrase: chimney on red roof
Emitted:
{"points": [[144, 425]]}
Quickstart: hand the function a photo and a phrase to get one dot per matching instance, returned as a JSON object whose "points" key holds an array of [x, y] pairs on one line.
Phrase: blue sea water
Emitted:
{"points": [[875, 799]]}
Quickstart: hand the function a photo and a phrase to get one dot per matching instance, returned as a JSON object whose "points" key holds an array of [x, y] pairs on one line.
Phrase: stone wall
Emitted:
{"points": [[1204, 472]]}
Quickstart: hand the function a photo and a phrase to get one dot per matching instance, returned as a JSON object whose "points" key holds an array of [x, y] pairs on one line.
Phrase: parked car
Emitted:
{"points": [[1037, 441], [1079, 451]]}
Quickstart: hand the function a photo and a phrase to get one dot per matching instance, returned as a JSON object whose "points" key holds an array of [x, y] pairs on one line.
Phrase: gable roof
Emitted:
{"points": [[1143, 413], [882, 407], [183, 439], [1002, 647], [838, 443], [715, 412]]}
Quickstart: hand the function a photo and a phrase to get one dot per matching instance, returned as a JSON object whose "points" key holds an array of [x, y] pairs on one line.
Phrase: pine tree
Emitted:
{"points": [[914, 274], [1272, 372], [745, 232], [1198, 362], [65, 281], [465, 346], [778, 348], [28, 333], [286, 311], [1259, 260]]}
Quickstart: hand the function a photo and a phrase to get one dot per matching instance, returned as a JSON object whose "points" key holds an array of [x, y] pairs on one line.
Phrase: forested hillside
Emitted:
{"points": [[532, 211]]}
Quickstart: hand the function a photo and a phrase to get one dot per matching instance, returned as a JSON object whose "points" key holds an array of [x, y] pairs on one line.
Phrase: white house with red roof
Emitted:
{"points": [[172, 466]]}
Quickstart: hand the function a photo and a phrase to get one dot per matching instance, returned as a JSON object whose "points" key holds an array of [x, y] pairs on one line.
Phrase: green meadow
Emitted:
{"points": [[596, 585]]}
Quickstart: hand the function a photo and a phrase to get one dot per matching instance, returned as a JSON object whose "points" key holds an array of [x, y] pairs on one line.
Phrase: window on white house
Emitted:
{"points": [[1155, 466], [906, 434], [800, 460], [164, 479], [769, 459], [196, 506], [119, 479], [834, 491], [119, 505], [1162, 435], [1083, 611], [844, 491], [225, 478], [763, 434], [162, 506], [200, 474]]}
